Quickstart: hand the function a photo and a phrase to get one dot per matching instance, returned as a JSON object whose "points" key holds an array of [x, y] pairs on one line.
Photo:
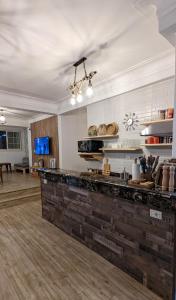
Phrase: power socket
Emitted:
{"points": [[156, 214]]}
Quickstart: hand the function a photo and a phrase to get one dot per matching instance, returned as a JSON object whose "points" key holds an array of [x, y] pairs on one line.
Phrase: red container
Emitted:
{"points": [[156, 140], [170, 113], [150, 140]]}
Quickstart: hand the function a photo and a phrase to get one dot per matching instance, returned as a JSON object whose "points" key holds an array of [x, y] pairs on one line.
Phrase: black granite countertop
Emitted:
{"points": [[112, 186]]}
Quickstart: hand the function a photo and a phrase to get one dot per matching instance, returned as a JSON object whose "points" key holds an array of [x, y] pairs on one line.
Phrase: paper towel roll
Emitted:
{"points": [[135, 171]]}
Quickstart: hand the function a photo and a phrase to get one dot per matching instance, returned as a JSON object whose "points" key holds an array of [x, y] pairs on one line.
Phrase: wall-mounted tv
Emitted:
{"points": [[42, 145]]}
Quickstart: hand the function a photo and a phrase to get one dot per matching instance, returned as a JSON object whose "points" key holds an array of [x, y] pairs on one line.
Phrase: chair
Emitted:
{"points": [[1, 178], [24, 166]]}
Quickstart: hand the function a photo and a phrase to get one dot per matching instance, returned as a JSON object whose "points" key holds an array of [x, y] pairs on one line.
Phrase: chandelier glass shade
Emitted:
{"points": [[78, 87]]}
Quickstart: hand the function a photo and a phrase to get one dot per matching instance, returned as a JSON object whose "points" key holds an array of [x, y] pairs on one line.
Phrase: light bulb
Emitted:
{"points": [[79, 98], [73, 100], [89, 91], [2, 119]]}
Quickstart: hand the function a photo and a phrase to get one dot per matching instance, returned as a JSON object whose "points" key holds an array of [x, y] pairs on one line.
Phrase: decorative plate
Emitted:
{"points": [[130, 121]]}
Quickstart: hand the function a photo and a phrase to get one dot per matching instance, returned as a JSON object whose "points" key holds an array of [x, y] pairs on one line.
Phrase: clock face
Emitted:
{"points": [[130, 121]]}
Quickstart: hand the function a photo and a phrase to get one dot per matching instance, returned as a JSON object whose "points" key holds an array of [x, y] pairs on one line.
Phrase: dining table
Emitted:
{"points": [[7, 165]]}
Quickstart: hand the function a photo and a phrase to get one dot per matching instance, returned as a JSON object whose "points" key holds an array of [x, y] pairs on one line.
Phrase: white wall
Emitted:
{"points": [[15, 156], [72, 127], [143, 101]]}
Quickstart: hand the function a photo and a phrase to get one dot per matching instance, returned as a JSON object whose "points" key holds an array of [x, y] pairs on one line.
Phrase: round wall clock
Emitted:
{"points": [[130, 121]]}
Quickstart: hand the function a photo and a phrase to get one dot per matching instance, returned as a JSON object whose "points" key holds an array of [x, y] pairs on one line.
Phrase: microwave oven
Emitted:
{"points": [[89, 146]]}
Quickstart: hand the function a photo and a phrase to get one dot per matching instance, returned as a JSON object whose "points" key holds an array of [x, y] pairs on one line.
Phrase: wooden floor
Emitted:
{"points": [[38, 261], [18, 181]]}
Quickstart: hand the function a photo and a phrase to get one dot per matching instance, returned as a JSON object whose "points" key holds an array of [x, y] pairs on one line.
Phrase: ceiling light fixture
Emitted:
{"points": [[2, 118], [77, 87]]}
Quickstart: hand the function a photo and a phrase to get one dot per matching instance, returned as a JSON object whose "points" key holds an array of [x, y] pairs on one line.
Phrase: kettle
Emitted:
{"points": [[41, 163], [52, 163]]}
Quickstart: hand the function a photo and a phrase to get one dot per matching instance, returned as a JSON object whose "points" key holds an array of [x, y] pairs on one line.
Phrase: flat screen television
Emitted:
{"points": [[42, 145]]}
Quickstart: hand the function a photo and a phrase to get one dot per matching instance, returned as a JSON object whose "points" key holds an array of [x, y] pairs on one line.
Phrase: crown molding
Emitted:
{"points": [[23, 102], [148, 72]]}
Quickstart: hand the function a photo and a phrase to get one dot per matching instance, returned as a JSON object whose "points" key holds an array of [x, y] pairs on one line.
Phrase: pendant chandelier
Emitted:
{"points": [[77, 87], [2, 118]]}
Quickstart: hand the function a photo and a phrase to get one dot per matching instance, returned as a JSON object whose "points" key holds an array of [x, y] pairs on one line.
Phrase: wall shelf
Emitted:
{"points": [[157, 134], [157, 145], [132, 149], [98, 156], [101, 137], [147, 123]]}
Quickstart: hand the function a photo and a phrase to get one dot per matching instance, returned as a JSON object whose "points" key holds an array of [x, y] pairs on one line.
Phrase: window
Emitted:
{"points": [[13, 140], [10, 140]]}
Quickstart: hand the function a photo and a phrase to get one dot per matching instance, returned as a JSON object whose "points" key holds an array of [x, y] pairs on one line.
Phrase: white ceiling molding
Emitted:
{"points": [[16, 101], [160, 68]]}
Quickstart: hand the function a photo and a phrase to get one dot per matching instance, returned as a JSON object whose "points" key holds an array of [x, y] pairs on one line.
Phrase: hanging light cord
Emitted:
{"points": [[75, 76], [84, 66]]}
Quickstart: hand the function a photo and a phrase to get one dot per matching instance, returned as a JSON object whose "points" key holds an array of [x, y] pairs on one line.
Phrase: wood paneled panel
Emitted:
{"points": [[46, 127]]}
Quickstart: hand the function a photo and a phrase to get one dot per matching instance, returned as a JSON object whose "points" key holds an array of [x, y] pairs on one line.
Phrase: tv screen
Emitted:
{"points": [[42, 145]]}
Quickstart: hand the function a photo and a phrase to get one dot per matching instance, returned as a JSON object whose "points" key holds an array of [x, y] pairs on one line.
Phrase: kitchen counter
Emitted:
{"points": [[133, 228], [112, 186]]}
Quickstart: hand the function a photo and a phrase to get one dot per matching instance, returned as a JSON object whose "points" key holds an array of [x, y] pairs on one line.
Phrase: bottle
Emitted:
{"points": [[162, 113], [135, 170], [165, 180], [171, 178]]}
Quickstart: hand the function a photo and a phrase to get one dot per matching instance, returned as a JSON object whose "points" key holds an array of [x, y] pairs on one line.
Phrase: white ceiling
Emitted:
{"points": [[41, 39]]}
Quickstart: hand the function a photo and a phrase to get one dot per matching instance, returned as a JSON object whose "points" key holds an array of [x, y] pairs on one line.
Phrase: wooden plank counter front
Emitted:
{"points": [[115, 221]]}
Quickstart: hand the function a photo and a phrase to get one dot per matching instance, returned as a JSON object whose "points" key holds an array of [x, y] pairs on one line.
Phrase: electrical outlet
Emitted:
{"points": [[156, 214], [45, 181]]}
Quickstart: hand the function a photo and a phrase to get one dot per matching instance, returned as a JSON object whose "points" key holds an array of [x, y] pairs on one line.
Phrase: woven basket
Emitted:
{"points": [[92, 130], [112, 128], [102, 129]]}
